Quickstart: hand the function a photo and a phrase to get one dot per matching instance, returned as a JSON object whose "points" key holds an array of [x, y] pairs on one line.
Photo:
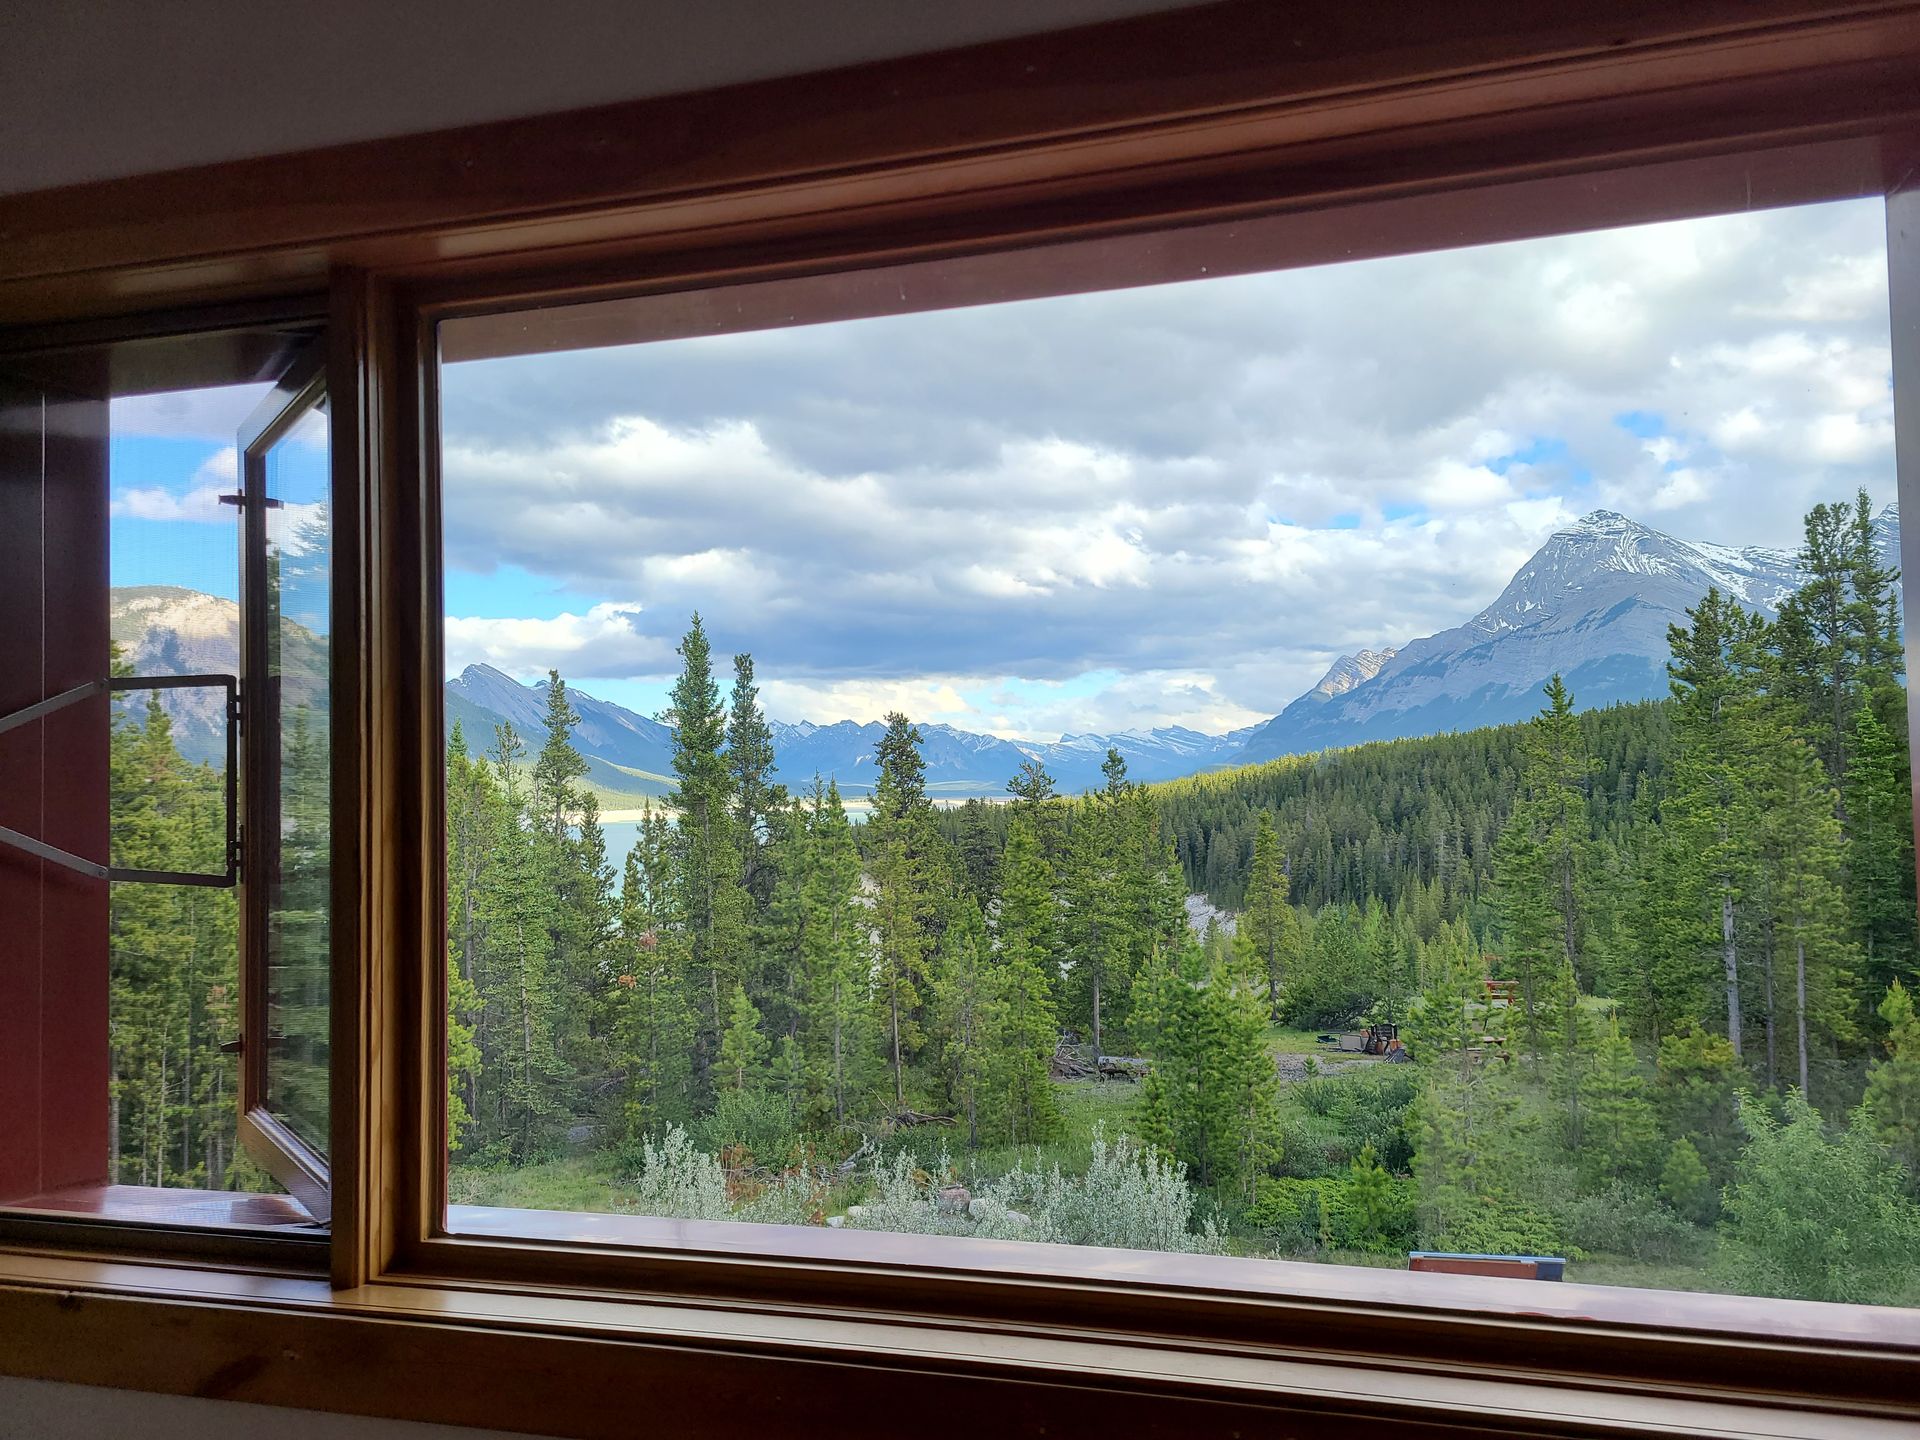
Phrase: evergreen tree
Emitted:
{"points": [[829, 930], [1892, 1105], [1804, 856], [1711, 807], [1466, 1117], [1840, 630], [1618, 1134], [1024, 1028], [713, 908], [1880, 858], [1696, 1084], [757, 797], [970, 1016], [1269, 930], [1537, 870], [744, 1050], [555, 797], [654, 1014], [1686, 1185], [1209, 1100], [977, 851], [907, 873]]}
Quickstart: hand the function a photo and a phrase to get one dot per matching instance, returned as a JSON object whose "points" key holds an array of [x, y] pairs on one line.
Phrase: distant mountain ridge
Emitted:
{"points": [[1593, 604], [633, 752], [170, 630], [1349, 671]]}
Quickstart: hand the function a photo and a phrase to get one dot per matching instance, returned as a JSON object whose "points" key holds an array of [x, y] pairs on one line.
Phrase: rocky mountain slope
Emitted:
{"points": [[1593, 604]]}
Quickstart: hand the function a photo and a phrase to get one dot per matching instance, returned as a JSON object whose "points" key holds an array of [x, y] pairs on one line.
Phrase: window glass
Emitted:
{"points": [[299, 550], [1376, 764], [175, 611]]}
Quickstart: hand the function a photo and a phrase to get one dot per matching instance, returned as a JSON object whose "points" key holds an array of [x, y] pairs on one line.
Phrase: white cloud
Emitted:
{"points": [[1141, 482], [198, 504], [604, 642]]}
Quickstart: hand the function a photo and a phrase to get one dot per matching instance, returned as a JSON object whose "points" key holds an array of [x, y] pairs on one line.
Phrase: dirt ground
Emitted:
{"points": [[1293, 1068]]}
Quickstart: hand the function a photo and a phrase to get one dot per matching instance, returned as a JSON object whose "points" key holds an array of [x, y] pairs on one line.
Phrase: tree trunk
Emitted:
{"points": [[1800, 988], [1097, 1049], [899, 1079], [1730, 957], [1772, 1067]]}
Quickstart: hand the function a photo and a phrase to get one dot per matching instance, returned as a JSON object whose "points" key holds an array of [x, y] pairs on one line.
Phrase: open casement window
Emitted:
{"points": [[284, 975], [164, 851]]}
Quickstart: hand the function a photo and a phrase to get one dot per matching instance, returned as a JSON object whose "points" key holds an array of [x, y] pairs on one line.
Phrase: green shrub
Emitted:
{"points": [[758, 1122], [1686, 1185], [1290, 1212], [1455, 1219], [1375, 1210], [1620, 1219], [676, 1181], [1816, 1215], [1130, 1197], [1312, 1145]]}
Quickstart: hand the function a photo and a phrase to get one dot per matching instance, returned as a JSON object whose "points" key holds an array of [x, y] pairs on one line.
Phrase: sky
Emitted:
{"points": [[171, 456], [1167, 505]]}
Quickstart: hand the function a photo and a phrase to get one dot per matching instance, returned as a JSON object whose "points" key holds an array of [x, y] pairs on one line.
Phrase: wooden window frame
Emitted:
{"points": [[1336, 132]]}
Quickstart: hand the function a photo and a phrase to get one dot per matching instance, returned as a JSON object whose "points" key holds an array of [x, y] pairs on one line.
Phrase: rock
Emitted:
{"points": [[978, 1207], [579, 1134], [836, 1221], [954, 1200], [855, 1212], [1019, 1217]]}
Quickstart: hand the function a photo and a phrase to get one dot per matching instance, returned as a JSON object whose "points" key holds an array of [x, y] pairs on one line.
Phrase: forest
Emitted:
{"points": [[1653, 967]]}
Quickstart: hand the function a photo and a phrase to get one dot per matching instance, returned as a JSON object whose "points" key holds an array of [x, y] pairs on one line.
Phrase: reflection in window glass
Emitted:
{"points": [[175, 610], [299, 589], [1404, 757]]}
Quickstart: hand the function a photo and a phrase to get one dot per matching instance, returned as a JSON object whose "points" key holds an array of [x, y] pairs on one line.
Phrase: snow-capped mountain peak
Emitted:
{"points": [[1592, 604]]}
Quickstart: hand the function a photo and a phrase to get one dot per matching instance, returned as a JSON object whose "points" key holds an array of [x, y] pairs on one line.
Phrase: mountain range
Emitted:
{"points": [[632, 752], [1593, 604]]}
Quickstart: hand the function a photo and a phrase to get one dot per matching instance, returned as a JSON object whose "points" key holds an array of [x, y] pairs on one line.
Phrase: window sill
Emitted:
{"points": [[152, 1205], [560, 1364], [1221, 1277]]}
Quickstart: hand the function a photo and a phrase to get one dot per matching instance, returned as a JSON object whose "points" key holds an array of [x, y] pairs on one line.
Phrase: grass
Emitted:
{"points": [[591, 1183], [576, 1183], [1086, 1106], [1283, 1040]]}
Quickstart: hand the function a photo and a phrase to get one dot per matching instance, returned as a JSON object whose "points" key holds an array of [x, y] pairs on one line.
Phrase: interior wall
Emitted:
{"points": [[93, 89], [42, 1410]]}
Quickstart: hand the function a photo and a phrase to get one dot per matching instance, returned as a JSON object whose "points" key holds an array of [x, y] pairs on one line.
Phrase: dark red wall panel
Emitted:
{"points": [[21, 603], [53, 785], [75, 1071]]}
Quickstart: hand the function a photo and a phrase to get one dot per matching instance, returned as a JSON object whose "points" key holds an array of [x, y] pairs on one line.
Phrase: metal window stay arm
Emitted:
{"points": [[55, 855]]}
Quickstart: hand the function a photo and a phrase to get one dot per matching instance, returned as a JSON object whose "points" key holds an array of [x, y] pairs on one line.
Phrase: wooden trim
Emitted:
{"points": [[849, 276], [1242, 102], [595, 1367], [1903, 303], [1850, 1354]]}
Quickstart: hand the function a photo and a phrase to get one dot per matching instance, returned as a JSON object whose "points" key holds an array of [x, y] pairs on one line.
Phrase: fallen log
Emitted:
{"points": [[1067, 1064], [914, 1117]]}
